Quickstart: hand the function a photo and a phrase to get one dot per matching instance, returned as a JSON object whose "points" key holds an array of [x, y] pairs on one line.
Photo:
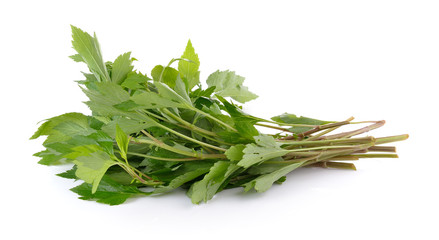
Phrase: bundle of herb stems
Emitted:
{"points": [[150, 135]]}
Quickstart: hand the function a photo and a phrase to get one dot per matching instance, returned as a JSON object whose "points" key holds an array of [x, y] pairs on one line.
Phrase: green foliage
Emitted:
{"points": [[244, 123], [88, 48], [92, 167], [49, 127], [121, 68], [135, 80], [109, 192], [150, 136], [264, 182], [189, 69], [167, 75], [265, 148], [122, 141], [69, 174], [228, 84], [293, 119], [236, 152], [206, 188]]}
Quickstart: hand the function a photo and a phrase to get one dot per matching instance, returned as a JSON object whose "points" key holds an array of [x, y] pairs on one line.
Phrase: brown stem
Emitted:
{"points": [[316, 129], [354, 132], [322, 127], [316, 136]]}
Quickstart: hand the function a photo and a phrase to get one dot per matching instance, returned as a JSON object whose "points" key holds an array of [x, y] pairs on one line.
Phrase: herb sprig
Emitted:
{"points": [[152, 134]]}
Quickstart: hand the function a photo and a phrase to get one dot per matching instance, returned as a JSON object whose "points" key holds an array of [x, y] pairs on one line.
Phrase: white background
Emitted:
{"points": [[325, 59]]}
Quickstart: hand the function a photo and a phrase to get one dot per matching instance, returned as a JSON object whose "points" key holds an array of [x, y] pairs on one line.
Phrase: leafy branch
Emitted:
{"points": [[152, 134]]}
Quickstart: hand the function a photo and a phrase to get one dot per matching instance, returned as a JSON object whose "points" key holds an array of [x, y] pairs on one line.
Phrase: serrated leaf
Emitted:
{"points": [[181, 89], [244, 123], [128, 105], [47, 127], [108, 192], [184, 174], [105, 97], [69, 174], [50, 157], [206, 188], [92, 168], [71, 123], [229, 84], [76, 58], [89, 49], [103, 140], [83, 150], [207, 93], [235, 153], [166, 92], [167, 75], [71, 129], [264, 182], [267, 167], [122, 141], [121, 67], [135, 81], [189, 69], [129, 126], [265, 148], [293, 119], [152, 100]]}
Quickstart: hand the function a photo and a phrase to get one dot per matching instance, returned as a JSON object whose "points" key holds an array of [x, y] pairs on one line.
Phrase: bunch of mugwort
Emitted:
{"points": [[152, 134]]}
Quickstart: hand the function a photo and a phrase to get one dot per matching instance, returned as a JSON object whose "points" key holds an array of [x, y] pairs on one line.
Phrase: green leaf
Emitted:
{"points": [[105, 97], [95, 123], [228, 84], [83, 150], [92, 168], [74, 128], [90, 81], [77, 58], [50, 157], [127, 125], [152, 100], [60, 152], [108, 192], [135, 81], [47, 127], [167, 75], [232, 137], [88, 47], [63, 127], [121, 67], [206, 188], [207, 93], [69, 174], [265, 148], [293, 119], [235, 153], [122, 141], [267, 167], [169, 93], [244, 123], [189, 69], [181, 89], [103, 140], [129, 105], [109, 94], [264, 182], [184, 174]]}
